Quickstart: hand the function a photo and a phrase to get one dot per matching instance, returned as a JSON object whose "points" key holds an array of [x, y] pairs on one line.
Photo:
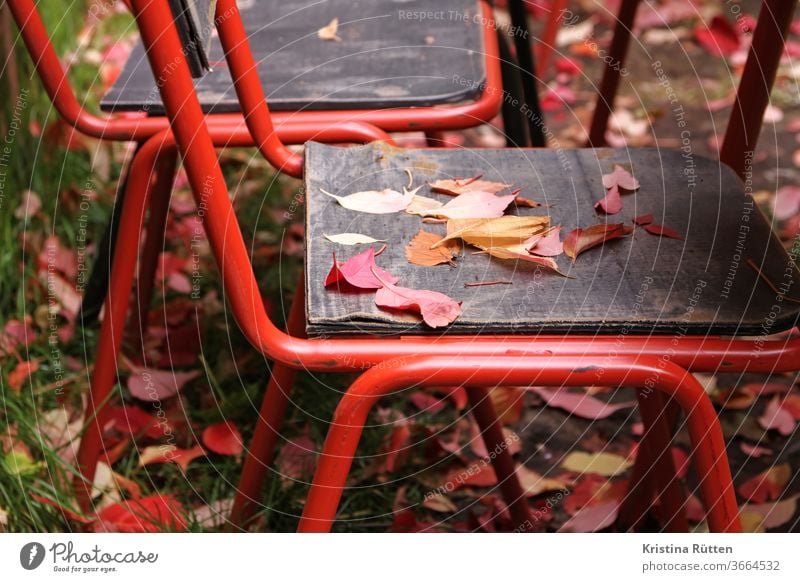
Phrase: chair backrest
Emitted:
{"points": [[194, 20]]}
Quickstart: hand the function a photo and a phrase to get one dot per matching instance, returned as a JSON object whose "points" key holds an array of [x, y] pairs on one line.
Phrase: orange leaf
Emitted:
{"points": [[420, 250], [223, 438], [170, 454], [21, 373]]}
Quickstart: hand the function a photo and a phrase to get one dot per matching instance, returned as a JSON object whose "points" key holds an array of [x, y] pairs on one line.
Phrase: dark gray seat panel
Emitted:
{"points": [[641, 284], [387, 57]]}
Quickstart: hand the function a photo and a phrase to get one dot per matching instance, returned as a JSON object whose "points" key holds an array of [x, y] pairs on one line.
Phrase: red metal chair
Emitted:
{"points": [[560, 359]]}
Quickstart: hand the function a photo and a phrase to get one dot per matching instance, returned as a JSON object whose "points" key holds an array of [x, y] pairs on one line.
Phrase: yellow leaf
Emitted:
{"points": [[329, 32], [606, 464], [535, 484], [495, 232]]}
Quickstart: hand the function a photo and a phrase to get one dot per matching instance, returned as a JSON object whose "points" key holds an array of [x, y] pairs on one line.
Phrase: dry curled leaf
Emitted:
{"points": [[351, 238], [436, 309], [329, 31], [358, 271], [421, 250], [583, 239], [384, 201]]}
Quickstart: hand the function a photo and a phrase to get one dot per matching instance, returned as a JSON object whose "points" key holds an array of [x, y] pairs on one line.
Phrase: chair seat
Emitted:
{"points": [[642, 283], [387, 57]]}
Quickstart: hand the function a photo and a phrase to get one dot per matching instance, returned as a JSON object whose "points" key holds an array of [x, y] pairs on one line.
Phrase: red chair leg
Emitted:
{"points": [[116, 309], [706, 435], [268, 425], [654, 472], [153, 243], [502, 461]]}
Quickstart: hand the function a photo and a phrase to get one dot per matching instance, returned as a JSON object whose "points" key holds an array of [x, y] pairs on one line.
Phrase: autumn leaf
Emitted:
{"points": [[495, 232], [612, 203], [767, 485], [134, 421], [583, 239], [459, 186], [150, 514], [606, 464], [223, 438], [23, 371], [170, 454], [508, 402], [592, 518], [422, 204], [421, 250], [595, 490], [777, 418], [754, 451], [719, 37], [328, 32], [549, 244], [150, 384], [436, 309], [475, 204], [768, 515], [30, 205], [661, 230], [520, 253], [352, 238], [579, 404], [358, 272], [297, 458], [385, 201], [643, 219], [534, 484], [620, 177]]}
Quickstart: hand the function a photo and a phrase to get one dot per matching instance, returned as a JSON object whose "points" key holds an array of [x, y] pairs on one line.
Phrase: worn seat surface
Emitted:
{"points": [[388, 56], [639, 284]]}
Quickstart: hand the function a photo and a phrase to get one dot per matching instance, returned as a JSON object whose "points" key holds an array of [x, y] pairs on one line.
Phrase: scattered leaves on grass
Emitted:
{"points": [[612, 202], [329, 31], [423, 250], [297, 458], [352, 238], [767, 485], [661, 230], [436, 309], [621, 178], [384, 201], [134, 421], [149, 384], [606, 464], [579, 404], [764, 516], [583, 239], [170, 454], [358, 271], [150, 514], [30, 205], [475, 204], [223, 438]]}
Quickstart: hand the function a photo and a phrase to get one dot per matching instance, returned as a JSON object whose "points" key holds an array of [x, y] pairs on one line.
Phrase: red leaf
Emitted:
{"points": [[146, 515], [152, 385], [478, 474], [21, 373], [661, 230], [579, 404], [767, 485], [223, 438], [437, 309], [592, 490], [134, 421], [396, 449], [643, 219], [475, 204], [620, 177], [776, 417], [358, 272], [549, 245], [719, 37], [612, 203], [580, 239]]}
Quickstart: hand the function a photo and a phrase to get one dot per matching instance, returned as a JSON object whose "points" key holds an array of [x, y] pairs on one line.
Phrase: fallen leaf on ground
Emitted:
{"points": [[583, 239], [439, 503], [534, 484], [643, 219], [154, 385], [777, 418], [352, 238], [508, 403], [475, 204], [436, 309], [149, 514], [592, 518], [358, 272], [134, 421], [767, 485], [297, 458], [459, 186], [328, 32], [754, 451], [719, 37], [579, 404], [772, 514], [170, 454], [495, 232], [620, 177], [23, 371], [421, 250], [661, 230], [606, 464], [384, 201], [595, 490], [611, 203], [30, 205], [223, 438]]}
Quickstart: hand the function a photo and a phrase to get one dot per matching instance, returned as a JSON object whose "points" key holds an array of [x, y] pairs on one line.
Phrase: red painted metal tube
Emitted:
{"points": [[547, 44], [351, 414], [752, 96], [613, 70]]}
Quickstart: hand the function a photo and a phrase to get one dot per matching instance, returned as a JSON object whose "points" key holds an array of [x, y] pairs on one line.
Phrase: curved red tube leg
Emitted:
{"points": [[481, 372], [268, 425]]}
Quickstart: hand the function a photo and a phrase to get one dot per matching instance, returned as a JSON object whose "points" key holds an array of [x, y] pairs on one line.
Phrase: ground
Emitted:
{"points": [[419, 464]]}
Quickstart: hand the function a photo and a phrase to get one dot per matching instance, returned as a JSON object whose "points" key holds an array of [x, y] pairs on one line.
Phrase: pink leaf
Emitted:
{"points": [[620, 177], [549, 245], [643, 220], [150, 384], [786, 203], [583, 239], [719, 37], [427, 402], [359, 271], [474, 204], [579, 404], [437, 309], [612, 203], [755, 452], [661, 230], [776, 417], [592, 518], [30, 205], [223, 438]]}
